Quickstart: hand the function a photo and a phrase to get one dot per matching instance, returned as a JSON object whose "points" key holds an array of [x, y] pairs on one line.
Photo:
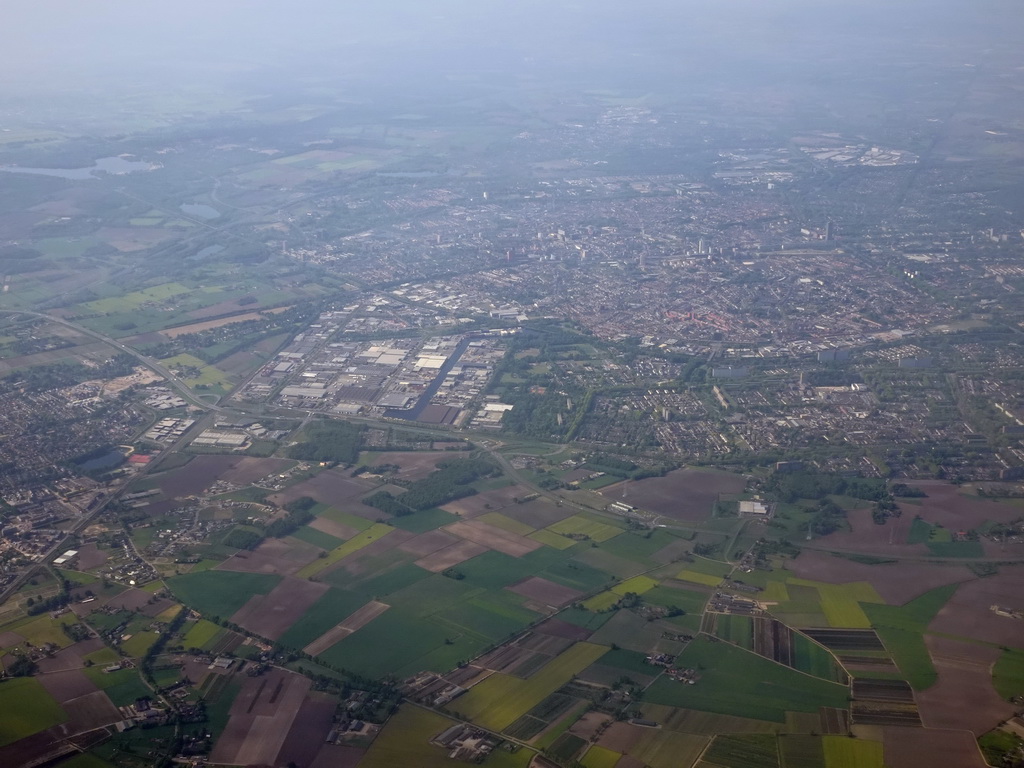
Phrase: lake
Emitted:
{"points": [[199, 210], [116, 166]]}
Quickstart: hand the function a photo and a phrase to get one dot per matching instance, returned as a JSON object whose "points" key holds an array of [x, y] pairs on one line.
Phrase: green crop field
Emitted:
{"points": [[500, 700], [499, 520], [775, 592], [738, 630], [400, 643], [220, 593], [735, 682], [317, 538], [901, 629], [638, 547], [365, 538], [844, 752], [201, 633], [661, 748], [554, 540], [494, 570], [406, 741], [696, 577], [811, 658], [332, 608], [584, 526], [801, 751], [599, 757], [140, 642], [709, 567], [27, 708], [602, 601], [746, 751], [637, 585], [1008, 674], [956, 548]]}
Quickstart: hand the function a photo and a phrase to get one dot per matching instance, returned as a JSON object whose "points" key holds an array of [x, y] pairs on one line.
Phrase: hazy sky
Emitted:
{"points": [[113, 44]]}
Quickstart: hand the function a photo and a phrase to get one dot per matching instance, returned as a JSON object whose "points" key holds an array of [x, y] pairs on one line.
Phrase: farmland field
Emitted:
{"points": [[364, 539], [584, 526], [405, 741], [500, 700], [220, 593], [800, 751], [748, 751], [1008, 674], [843, 752], [735, 682], [27, 709], [599, 757]]}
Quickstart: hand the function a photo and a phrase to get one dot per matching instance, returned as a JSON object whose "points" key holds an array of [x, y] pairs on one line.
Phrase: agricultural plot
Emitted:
{"points": [[842, 752], [28, 708], [747, 751], [364, 539], [599, 757], [406, 741], [696, 577], [500, 700], [801, 751], [220, 593], [661, 748], [902, 628], [732, 681], [582, 527]]}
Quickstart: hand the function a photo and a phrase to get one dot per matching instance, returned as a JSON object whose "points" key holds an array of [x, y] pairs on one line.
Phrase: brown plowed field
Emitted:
{"points": [[10, 639], [865, 536], [356, 621], [449, 556], [427, 543], [64, 686], [896, 583], [247, 470], [539, 513], [337, 756], [486, 535], [362, 561], [559, 628], [198, 475], [545, 591], [93, 710], [414, 465], [686, 494], [270, 615], [260, 719], [622, 737], [333, 528], [927, 747], [273, 556], [964, 697], [950, 508], [90, 556], [309, 731], [488, 501], [334, 489], [968, 613]]}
